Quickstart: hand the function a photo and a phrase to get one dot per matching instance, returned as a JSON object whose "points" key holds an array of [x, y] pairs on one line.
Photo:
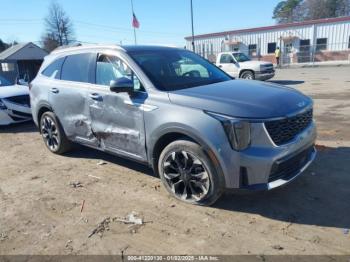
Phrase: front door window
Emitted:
{"points": [[110, 68]]}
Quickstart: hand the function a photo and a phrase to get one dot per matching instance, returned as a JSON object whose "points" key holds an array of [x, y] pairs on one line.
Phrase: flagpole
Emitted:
{"points": [[193, 49], [132, 9]]}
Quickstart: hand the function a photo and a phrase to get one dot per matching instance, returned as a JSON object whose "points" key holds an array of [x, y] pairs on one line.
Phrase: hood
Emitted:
{"points": [[15, 90], [243, 98]]}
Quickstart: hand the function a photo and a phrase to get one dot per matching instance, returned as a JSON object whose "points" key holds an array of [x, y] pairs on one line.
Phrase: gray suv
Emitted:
{"points": [[201, 131]]}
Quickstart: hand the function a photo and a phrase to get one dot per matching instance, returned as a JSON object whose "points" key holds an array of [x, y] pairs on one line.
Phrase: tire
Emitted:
{"points": [[53, 134], [188, 174], [248, 75]]}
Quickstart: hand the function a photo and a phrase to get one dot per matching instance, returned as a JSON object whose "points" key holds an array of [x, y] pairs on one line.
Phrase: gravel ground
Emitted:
{"points": [[42, 195]]}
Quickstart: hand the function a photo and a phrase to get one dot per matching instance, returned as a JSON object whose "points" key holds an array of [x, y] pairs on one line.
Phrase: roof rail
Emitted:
{"points": [[67, 46]]}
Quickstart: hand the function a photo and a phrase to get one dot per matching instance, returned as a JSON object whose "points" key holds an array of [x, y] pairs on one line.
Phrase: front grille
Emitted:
{"points": [[23, 100], [286, 168], [284, 130]]}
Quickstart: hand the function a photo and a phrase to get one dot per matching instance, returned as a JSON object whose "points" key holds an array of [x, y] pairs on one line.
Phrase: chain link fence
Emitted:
{"points": [[292, 53]]}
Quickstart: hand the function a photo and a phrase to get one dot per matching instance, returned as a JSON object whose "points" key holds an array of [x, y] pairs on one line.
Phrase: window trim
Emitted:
{"points": [[319, 47], [275, 43]]}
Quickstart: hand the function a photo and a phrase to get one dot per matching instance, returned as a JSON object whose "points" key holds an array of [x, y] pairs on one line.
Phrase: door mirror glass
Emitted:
{"points": [[122, 85]]}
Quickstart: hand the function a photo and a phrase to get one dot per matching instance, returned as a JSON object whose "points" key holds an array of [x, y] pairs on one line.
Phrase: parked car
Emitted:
{"points": [[238, 65], [201, 131], [14, 102]]}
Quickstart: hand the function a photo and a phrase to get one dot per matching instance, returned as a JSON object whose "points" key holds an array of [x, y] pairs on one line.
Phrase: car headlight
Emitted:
{"points": [[237, 130], [2, 105]]}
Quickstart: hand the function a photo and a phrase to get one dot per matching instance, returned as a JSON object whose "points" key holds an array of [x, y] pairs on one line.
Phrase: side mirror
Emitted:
{"points": [[22, 82], [122, 85]]}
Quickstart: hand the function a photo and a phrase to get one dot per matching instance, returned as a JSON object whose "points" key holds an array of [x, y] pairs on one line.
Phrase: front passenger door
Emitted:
{"points": [[117, 118], [228, 64]]}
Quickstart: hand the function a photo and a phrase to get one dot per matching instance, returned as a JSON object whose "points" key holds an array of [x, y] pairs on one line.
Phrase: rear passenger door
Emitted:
{"points": [[117, 118], [68, 97]]}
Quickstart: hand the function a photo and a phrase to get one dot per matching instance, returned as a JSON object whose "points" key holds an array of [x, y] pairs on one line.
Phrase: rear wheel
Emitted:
{"points": [[53, 134], [188, 173], [248, 75]]}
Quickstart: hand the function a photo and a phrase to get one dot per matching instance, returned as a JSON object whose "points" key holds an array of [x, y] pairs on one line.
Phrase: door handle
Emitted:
{"points": [[96, 97], [55, 90]]}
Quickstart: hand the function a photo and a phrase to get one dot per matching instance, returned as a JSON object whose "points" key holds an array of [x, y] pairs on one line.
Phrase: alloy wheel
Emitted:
{"points": [[186, 176], [247, 76], [50, 133]]}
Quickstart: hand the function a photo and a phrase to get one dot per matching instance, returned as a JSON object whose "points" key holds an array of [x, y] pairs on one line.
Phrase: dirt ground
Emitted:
{"points": [[40, 209]]}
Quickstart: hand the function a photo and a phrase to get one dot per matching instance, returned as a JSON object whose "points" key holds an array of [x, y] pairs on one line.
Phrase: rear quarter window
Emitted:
{"points": [[53, 70], [78, 68]]}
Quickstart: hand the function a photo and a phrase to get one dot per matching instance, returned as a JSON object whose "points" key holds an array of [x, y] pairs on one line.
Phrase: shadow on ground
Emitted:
{"points": [[319, 197], [26, 127], [287, 82], [85, 152]]}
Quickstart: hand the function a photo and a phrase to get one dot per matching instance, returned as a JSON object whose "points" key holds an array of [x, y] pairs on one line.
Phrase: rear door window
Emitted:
{"points": [[78, 68], [54, 69]]}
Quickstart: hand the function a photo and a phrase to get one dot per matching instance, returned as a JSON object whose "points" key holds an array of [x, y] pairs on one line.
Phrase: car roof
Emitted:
{"points": [[131, 48], [126, 48]]}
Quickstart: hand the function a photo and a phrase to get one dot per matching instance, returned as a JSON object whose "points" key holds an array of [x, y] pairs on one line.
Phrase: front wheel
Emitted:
{"points": [[188, 173], [53, 134], [248, 75]]}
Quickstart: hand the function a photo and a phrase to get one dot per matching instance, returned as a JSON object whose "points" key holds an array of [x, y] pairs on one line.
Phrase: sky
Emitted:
{"points": [[164, 22]]}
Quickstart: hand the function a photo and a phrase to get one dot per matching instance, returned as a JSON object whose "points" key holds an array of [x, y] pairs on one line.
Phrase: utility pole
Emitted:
{"points": [[193, 49], [132, 10]]}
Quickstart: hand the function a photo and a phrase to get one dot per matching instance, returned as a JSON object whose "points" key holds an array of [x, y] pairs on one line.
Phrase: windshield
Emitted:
{"points": [[240, 57], [4, 82], [175, 69]]}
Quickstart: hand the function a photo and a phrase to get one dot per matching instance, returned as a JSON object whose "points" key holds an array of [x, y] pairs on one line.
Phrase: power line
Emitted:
{"points": [[114, 28]]}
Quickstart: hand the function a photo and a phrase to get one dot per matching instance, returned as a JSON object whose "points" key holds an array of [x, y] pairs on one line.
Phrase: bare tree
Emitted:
{"points": [[59, 28]]}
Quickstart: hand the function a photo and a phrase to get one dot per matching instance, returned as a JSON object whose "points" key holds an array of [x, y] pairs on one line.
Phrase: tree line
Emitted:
{"points": [[289, 11], [4, 45]]}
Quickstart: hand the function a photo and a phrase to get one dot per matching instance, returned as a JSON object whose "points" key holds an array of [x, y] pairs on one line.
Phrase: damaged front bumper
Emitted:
{"points": [[264, 165], [12, 113]]}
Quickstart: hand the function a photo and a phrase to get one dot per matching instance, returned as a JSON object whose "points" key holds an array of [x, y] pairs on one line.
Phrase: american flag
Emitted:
{"points": [[135, 22]]}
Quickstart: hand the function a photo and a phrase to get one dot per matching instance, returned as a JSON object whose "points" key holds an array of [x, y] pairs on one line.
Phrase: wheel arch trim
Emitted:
{"points": [[185, 130]]}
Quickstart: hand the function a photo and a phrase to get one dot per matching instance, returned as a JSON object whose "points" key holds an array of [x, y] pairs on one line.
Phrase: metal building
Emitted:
{"points": [[300, 42]]}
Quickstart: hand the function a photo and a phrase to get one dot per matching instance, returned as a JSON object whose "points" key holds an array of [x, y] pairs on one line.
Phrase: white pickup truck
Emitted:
{"points": [[238, 65]]}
